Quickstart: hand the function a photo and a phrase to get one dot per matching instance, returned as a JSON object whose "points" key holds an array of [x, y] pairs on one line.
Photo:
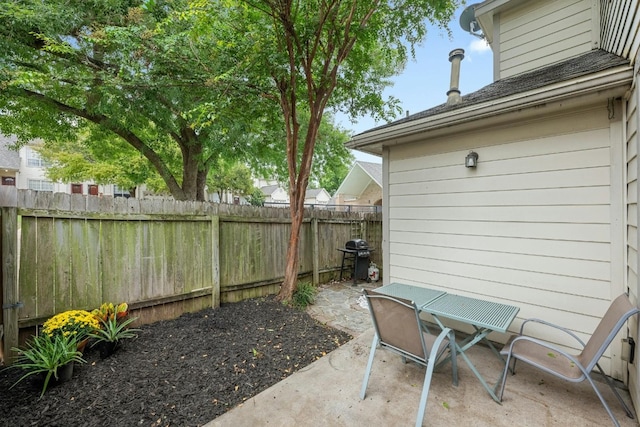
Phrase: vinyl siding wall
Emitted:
{"points": [[620, 34], [540, 33], [631, 136], [533, 225]]}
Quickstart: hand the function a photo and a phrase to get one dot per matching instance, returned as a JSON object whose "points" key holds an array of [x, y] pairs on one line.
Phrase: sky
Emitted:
{"points": [[425, 80]]}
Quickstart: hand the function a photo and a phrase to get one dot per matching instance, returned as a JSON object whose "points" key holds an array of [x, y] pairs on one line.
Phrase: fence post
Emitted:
{"points": [[10, 303], [315, 254], [215, 261]]}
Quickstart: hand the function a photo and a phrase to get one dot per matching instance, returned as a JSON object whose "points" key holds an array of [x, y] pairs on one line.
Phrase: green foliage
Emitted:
{"points": [[304, 295], [313, 55], [105, 73], [233, 177], [331, 159], [113, 330], [46, 354], [256, 198], [98, 157]]}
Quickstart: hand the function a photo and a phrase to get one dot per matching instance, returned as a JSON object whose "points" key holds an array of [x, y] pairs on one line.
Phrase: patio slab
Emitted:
{"points": [[327, 391]]}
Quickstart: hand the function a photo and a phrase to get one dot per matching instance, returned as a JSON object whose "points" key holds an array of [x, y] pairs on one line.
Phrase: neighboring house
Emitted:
{"points": [[9, 162], [362, 186], [548, 219], [316, 196], [274, 194], [28, 172]]}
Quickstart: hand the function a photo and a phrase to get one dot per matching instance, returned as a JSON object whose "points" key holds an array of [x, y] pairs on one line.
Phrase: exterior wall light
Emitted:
{"points": [[471, 161]]}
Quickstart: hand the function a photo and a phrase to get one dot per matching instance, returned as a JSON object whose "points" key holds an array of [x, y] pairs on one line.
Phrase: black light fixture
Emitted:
{"points": [[471, 161]]}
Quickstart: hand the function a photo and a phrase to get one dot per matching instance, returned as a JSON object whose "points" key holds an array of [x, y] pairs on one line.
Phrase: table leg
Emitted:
{"points": [[469, 342]]}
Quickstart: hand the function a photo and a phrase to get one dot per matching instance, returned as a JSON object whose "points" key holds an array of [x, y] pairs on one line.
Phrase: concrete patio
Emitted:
{"points": [[327, 391]]}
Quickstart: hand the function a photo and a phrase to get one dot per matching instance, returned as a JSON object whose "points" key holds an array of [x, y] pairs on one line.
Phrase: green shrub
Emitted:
{"points": [[45, 355], [304, 295]]}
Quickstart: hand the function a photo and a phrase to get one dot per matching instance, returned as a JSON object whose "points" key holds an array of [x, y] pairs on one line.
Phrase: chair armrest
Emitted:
{"points": [[551, 325]]}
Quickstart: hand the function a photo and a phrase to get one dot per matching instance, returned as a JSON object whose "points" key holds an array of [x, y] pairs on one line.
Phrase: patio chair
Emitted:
{"points": [[570, 367], [399, 329]]}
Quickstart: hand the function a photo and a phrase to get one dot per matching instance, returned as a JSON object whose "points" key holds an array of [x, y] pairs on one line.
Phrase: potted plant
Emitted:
{"points": [[49, 356], [114, 328], [72, 323], [109, 310]]}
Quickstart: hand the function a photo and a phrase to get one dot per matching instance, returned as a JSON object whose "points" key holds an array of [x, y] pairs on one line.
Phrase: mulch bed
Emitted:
{"points": [[182, 372]]}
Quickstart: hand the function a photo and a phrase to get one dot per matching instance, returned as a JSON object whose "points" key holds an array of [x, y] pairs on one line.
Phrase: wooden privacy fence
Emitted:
{"points": [[163, 257]]}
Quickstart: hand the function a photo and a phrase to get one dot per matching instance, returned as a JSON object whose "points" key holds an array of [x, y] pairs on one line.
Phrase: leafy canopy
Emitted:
{"points": [[310, 55]]}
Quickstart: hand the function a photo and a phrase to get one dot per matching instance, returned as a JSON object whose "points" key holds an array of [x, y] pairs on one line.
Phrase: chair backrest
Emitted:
{"points": [[397, 323], [618, 313]]}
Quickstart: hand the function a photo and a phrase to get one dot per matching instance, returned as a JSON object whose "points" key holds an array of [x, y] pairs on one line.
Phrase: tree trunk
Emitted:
{"points": [[201, 184], [296, 208], [290, 282]]}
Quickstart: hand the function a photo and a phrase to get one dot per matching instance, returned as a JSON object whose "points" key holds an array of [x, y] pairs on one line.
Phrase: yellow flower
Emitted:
{"points": [[76, 323]]}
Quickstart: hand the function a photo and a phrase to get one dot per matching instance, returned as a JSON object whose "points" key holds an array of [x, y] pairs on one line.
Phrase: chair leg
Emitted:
{"points": [[454, 361], [431, 362], [425, 393], [367, 373], [503, 381], [613, 389], [604, 403]]}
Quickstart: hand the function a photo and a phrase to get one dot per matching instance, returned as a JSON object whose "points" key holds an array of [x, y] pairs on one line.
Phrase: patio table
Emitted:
{"points": [[484, 316], [419, 295]]}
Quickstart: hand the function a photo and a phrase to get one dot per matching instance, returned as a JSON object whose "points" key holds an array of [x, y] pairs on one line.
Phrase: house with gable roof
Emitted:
{"points": [[362, 186], [316, 196], [275, 194], [546, 217]]}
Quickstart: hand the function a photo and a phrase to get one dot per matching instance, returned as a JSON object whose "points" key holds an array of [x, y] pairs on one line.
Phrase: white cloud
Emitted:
{"points": [[479, 46]]}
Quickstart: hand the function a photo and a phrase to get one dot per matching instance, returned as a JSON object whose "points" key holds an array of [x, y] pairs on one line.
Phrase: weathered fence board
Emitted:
{"points": [[162, 257]]}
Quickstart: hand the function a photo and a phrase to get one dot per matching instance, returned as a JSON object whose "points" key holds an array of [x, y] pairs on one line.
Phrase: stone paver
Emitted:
{"points": [[337, 305]]}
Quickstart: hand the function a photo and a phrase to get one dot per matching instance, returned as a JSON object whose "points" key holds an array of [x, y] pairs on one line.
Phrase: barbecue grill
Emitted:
{"points": [[356, 259]]}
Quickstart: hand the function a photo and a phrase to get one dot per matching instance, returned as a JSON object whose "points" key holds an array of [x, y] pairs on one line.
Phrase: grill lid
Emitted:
{"points": [[357, 244]]}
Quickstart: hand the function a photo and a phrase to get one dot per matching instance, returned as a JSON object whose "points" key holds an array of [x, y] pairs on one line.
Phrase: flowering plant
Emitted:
{"points": [[109, 311], [113, 327], [72, 323]]}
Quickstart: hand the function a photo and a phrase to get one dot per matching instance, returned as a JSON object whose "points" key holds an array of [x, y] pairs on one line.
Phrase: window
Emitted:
{"points": [[76, 188], [8, 180], [40, 185], [93, 189], [34, 160], [120, 192]]}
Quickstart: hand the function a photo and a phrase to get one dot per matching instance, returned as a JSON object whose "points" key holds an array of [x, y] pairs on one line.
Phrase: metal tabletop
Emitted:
{"points": [[484, 316], [420, 296], [477, 312]]}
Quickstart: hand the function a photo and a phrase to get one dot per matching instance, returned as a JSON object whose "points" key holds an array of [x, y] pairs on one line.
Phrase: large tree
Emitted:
{"points": [[317, 54], [130, 67], [141, 70]]}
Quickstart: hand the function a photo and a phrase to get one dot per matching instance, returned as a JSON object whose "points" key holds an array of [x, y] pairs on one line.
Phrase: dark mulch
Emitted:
{"points": [[182, 372]]}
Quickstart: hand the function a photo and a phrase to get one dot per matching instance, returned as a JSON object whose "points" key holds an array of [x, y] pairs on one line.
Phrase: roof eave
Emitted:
{"points": [[615, 80]]}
